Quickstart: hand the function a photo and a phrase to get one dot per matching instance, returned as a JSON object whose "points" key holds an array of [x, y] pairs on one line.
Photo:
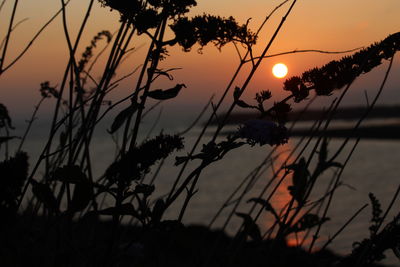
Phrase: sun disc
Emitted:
{"points": [[279, 70]]}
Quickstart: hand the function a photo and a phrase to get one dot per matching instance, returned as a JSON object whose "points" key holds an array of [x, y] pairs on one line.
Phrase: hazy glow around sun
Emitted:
{"points": [[279, 70]]}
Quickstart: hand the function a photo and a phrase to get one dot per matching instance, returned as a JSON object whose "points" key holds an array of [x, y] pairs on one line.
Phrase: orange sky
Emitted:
{"points": [[313, 24]]}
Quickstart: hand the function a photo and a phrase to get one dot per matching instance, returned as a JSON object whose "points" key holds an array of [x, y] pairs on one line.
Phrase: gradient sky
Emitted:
{"points": [[332, 25]]}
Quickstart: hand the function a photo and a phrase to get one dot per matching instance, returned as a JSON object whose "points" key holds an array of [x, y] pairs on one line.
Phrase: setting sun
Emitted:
{"points": [[279, 70]]}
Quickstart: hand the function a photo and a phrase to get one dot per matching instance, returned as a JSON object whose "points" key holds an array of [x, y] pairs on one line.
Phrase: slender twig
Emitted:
{"points": [[10, 27], [30, 122], [34, 38], [2, 4], [335, 185], [14, 27], [307, 51], [343, 227]]}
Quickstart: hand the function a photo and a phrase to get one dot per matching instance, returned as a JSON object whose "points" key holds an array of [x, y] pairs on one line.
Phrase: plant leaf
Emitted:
{"points": [[267, 206], [236, 93], [123, 116], [250, 227], [44, 194], [158, 211], [306, 222], [323, 151], [243, 104], [300, 180], [160, 94], [81, 197]]}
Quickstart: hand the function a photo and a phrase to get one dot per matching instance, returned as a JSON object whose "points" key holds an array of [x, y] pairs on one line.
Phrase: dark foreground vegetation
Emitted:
{"points": [[39, 241], [56, 211]]}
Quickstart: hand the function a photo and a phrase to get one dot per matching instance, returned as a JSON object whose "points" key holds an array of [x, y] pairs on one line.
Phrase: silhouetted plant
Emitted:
{"points": [[73, 200], [14, 172], [5, 119]]}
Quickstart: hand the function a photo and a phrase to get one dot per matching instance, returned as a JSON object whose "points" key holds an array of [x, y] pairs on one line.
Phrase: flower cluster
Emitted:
{"points": [[87, 55], [263, 132], [137, 161], [48, 91], [207, 28], [147, 14], [337, 74]]}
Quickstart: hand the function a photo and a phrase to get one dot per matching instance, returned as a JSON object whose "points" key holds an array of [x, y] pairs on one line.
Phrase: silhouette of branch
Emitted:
{"points": [[97, 58], [2, 4], [33, 39], [10, 26], [125, 76], [343, 227], [15, 26], [237, 51], [307, 51]]}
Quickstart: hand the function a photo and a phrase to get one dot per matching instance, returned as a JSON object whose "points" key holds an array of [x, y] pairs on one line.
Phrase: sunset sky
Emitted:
{"points": [[331, 25]]}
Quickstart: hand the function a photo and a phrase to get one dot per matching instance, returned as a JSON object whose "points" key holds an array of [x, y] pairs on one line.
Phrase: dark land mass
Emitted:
{"points": [[48, 241], [387, 132], [346, 113]]}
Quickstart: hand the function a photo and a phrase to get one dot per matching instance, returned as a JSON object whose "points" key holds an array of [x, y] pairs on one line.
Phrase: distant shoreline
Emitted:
{"points": [[383, 131], [345, 113]]}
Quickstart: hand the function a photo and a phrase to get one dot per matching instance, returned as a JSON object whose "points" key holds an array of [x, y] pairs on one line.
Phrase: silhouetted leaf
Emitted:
{"points": [[81, 197], [122, 117], [236, 93], [180, 160], [267, 206], [166, 94], [243, 104], [250, 227], [333, 164], [306, 222], [158, 211], [323, 151], [166, 73], [300, 180], [63, 139], [44, 194]]}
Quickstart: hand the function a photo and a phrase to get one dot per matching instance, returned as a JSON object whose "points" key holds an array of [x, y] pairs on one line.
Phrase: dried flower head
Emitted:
{"points": [[48, 91], [263, 132], [5, 119]]}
